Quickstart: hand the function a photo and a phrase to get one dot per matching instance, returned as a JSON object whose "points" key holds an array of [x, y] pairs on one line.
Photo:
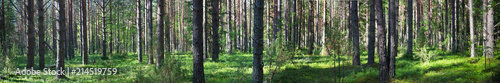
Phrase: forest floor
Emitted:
{"points": [[236, 68]]}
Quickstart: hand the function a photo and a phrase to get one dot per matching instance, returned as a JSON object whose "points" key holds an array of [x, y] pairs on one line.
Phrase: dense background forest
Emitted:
{"points": [[251, 40]]}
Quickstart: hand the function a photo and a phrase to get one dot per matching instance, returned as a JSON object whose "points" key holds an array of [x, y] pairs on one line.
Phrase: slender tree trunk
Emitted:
{"points": [[150, 30], [61, 31], [371, 34], [31, 34], [453, 25], [215, 30], [139, 31], [355, 28], [409, 23], [41, 35], [70, 43], [471, 26], [84, 38], [381, 32], [258, 43], [228, 33], [198, 73]]}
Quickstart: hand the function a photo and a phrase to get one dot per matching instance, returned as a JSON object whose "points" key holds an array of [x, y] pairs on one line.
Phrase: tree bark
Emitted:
{"points": [[355, 31], [215, 30], [150, 30], [409, 23], [393, 36], [310, 30], [159, 32], [84, 38], [453, 26], [139, 31], [381, 46], [258, 43], [31, 34], [61, 36], [371, 34], [198, 73], [471, 26], [228, 32], [488, 30], [71, 50], [41, 35]]}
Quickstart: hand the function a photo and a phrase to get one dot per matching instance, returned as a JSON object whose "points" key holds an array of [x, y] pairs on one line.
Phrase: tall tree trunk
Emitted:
{"points": [[61, 36], [150, 30], [310, 30], [215, 30], [409, 23], [85, 52], [228, 32], [245, 28], [41, 35], [393, 36], [276, 18], [198, 73], [139, 31], [453, 25], [159, 32], [70, 43], [381, 46], [258, 43], [31, 34], [103, 18], [355, 31], [371, 34], [471, 26], [488, 29]]}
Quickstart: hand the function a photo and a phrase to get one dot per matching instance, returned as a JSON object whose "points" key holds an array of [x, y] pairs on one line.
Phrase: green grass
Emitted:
{"points": [[444, 67]]}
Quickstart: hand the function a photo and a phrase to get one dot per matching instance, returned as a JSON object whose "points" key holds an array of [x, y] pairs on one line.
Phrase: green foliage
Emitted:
{"points": [[424, 55]]}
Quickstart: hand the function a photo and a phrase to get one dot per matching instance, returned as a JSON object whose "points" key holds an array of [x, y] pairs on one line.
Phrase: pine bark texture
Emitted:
{"points": [[31, 34], [355, 32], [61, 38], [41, 35], [215, 30], [258, 43], [198, 73]]}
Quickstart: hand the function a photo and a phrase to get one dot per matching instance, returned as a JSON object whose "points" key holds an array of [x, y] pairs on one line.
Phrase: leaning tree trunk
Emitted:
{"points": [[198, 73], [355, 31], [381, 31], [215, 30], [41, 35], [61, 36], [31, 34], [258, 43]]}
